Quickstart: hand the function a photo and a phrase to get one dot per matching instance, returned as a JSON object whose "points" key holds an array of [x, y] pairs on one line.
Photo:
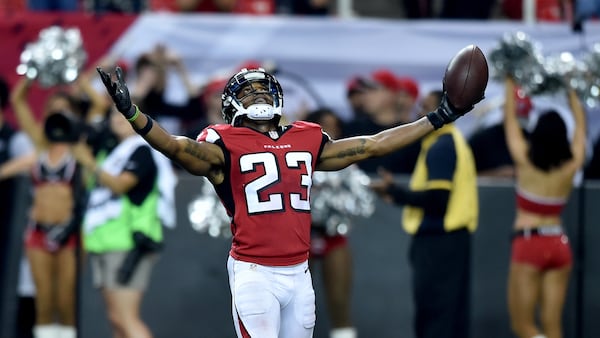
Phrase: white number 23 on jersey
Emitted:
{"points": [[274, 202]]}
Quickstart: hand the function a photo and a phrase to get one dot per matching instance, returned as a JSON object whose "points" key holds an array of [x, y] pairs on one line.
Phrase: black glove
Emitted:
{"points": [[118, 91], [446, 113]]}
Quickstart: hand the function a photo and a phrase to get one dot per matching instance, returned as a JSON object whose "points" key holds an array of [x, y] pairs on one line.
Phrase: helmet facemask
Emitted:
{"points": [[232, 106]]}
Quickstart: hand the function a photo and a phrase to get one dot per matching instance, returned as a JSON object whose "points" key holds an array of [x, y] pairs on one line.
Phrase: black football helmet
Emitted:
{"points": [[231, 100]]}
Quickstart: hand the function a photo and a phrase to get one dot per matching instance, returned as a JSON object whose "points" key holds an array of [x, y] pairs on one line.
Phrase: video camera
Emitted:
{"points": [[62, 126]]}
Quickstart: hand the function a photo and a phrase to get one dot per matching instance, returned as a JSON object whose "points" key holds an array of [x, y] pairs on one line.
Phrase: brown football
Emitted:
{"points": [[466, 77]]}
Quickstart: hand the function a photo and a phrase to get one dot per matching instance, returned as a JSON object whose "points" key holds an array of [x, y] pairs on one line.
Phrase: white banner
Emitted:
{"points": [[326, 52]]}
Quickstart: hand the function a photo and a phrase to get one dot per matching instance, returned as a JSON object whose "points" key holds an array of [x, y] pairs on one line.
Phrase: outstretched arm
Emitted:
{"points": [[341, 153], [23, 113], [515, 140], [579, 136], [434, 202], [198, 158], [17, 166]]}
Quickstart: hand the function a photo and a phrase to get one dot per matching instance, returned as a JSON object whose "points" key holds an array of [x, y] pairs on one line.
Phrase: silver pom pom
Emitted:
{"points": [[556, 70], [207, 214], [519, 57], [57, 57], [335, 198], [516, 55], [338, 195]]}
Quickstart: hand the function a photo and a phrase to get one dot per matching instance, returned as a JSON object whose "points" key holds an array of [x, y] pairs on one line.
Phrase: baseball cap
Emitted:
{"points": [[213, 86], [355, 85], [250, 64], [409, 85], [124, 66], [383, 78]]}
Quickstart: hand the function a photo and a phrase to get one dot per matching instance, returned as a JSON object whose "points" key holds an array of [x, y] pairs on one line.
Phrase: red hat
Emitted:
{"points": [[250, 64], [409, 85], [124, 66], [356, 84], [385, 78], [214, 86]]}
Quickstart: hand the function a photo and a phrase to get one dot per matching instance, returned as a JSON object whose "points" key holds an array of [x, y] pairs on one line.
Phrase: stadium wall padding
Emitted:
{"points": [[189, 293]]}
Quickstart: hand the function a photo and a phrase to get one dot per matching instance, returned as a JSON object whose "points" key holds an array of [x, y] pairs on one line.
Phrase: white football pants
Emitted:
{"points": [[271, 301]]}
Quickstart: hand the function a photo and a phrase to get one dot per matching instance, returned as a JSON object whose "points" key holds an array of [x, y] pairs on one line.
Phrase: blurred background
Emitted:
{"points": [[322, 52]]}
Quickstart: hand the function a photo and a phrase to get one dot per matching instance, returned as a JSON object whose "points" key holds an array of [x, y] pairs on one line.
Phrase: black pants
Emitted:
{"points": [[25, 317], [441, 268]]}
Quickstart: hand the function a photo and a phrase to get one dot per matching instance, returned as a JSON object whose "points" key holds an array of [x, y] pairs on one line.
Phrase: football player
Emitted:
{"points": [[262, 173]]}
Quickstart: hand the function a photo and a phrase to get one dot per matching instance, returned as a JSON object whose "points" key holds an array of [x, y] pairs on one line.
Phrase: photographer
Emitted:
{"points": [[122, 231]]}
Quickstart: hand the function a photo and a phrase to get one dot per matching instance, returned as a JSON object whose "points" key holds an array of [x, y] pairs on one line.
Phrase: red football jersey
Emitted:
{"points": [[267, 189]]}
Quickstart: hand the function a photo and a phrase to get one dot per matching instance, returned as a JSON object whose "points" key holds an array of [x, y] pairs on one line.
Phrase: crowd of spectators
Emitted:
{"points": [[251, 7], [546, 10]]}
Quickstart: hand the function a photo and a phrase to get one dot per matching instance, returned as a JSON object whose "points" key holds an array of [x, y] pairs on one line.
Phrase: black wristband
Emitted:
{"points": [[146, 129], [435, 119]]}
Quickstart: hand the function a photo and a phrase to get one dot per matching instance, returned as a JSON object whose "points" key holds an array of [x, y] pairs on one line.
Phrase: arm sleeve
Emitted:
{"points": [[141, 165], [138, 163], [433, 202], [441, 163]]}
